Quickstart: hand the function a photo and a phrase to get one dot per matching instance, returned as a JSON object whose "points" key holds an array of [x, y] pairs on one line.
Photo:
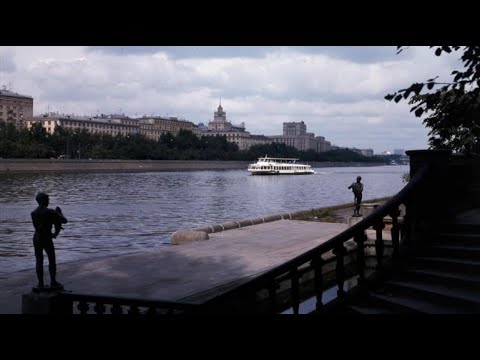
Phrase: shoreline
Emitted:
{"points": [[62, 165]]}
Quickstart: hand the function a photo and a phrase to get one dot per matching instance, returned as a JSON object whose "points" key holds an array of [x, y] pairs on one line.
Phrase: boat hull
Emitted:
{"points": [[281, 173]]}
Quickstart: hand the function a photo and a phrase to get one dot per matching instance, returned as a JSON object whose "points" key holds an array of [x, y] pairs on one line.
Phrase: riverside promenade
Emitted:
{"points": [[191, 272]]}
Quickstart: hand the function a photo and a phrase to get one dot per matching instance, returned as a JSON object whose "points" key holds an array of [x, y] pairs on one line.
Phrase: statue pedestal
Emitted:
{"points": [[40, 303], [352, 220]]}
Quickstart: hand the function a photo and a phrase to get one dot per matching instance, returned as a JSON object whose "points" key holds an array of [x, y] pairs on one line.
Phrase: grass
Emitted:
{"points": [[327, 214], [332, 214]]}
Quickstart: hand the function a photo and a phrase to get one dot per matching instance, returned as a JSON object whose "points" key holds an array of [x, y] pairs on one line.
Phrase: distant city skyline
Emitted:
{"points": [[337, 91]]}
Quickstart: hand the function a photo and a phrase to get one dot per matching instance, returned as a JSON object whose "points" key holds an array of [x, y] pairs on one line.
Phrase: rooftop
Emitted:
{"points": [[5, 92]]}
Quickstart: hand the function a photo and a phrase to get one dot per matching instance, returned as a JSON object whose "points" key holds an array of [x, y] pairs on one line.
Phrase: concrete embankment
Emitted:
{"points": [[329, 214], [33, 165]]}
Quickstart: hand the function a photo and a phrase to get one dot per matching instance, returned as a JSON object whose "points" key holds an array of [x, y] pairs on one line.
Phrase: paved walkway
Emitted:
{"points": [[183, 272]]}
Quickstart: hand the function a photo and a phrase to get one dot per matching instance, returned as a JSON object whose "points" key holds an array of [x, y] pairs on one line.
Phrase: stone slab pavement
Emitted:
{"points": [[182, 272]]}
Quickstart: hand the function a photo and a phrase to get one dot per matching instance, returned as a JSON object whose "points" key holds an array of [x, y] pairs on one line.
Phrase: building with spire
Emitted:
{"points": [[220, 122], [219, 126]]}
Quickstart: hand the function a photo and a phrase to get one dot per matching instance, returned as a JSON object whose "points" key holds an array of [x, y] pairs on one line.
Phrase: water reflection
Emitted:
{"points": [[118, 213]]}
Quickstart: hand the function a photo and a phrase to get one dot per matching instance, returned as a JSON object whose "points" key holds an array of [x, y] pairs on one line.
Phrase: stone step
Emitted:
{"points": [[444, 263], [368, 310], [460, 228], [466, 299], [458, 251], [406, 304], [444, 277], [457, 238]]}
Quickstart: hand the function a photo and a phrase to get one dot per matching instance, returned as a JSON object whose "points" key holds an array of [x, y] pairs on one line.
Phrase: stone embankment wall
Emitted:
{"points": [[36, 165], [201, 233]]}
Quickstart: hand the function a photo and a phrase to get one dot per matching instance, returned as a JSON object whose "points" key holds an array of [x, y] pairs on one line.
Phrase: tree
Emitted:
{"points": [[454, 108], [38, 133]]}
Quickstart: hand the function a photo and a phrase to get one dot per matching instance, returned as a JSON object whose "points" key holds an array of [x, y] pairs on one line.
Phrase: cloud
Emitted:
{"points": [[186, 52], [337, 91], [7, 63]]}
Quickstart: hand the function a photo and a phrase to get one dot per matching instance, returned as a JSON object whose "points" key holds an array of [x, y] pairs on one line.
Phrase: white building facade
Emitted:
{"points": [[295, 135]]}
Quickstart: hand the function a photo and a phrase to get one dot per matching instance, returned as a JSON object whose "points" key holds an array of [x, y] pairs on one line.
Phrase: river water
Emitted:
{"points": [[118, 213]]}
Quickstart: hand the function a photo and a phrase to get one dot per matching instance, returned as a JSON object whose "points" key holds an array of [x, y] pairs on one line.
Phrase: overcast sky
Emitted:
{"points": [[337, 91]]}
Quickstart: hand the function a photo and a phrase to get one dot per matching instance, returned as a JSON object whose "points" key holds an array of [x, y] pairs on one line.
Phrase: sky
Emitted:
{"points": [[337, 91]]}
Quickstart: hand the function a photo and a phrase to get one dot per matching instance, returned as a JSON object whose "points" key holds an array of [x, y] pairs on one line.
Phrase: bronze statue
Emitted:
{"points": [[357, 188], [43, 219]]}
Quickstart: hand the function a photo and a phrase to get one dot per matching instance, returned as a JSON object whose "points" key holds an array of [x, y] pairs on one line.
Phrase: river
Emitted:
{"points": [[122, 212]]}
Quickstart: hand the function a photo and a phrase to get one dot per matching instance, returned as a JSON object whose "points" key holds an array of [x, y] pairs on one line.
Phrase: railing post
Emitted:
{"points": [[83, 307], [295, 290], [133, 310], [116, 309], [317, 265], [99, 308], [272, 295], [359, 239], [340, 252], [379, 245], [395, 232], [151, 311], [251, 307]]}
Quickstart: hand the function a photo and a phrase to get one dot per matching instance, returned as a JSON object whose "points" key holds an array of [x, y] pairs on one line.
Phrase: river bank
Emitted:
{"points": [[71, 165], [62, 165]]}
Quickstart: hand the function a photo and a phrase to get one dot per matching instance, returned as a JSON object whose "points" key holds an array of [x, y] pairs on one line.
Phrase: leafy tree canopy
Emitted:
{"points": [[453, 109]]}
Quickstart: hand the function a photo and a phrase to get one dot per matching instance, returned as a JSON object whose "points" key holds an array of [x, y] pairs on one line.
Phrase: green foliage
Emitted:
{"points": [[454, 121], [80, 144], [454, 108], [320, 215], [272, 150]]}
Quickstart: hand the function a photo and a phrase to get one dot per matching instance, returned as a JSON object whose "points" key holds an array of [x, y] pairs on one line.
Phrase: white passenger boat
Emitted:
{"points": [[279, 166]]}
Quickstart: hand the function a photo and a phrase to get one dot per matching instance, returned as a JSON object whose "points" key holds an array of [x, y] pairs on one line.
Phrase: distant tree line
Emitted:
{"points": [[37, 143]]}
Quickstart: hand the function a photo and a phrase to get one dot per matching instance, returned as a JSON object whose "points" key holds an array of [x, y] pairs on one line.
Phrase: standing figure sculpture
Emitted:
{"points": [[43, 219], [357, 188]]}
